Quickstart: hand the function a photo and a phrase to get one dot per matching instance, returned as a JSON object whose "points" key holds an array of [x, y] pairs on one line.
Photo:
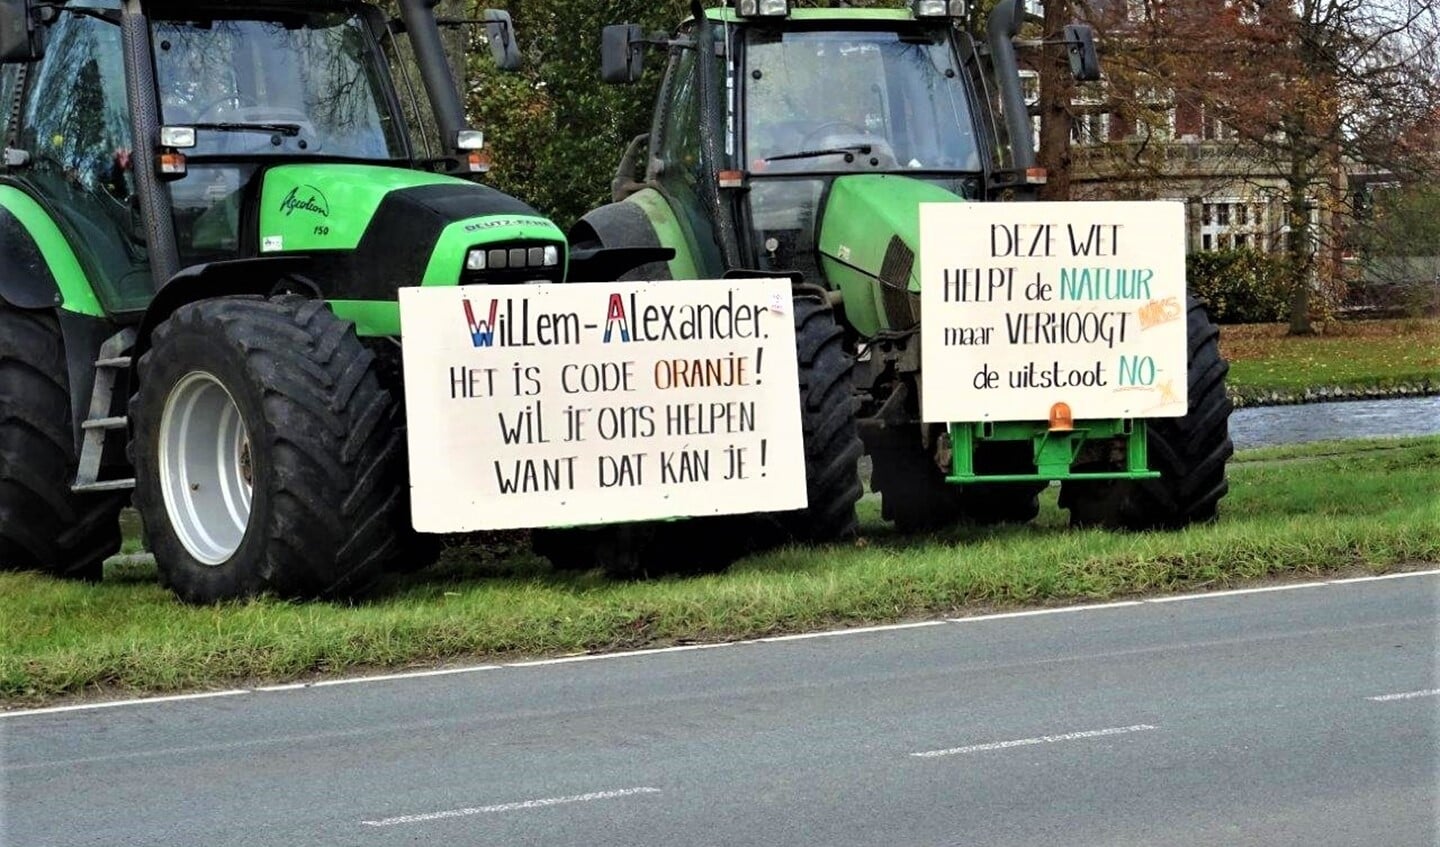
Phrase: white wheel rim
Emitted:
{"points": [[206, 474]]}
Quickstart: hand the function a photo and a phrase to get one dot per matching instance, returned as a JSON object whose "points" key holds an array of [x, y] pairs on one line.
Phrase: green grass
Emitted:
{"points": [[1350, 354], [1292, 511]]}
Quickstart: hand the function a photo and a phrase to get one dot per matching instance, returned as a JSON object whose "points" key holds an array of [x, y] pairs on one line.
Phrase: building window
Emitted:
{"points": [[1090, 128], [1211, 129], [1030, 88], [1236, 223]]}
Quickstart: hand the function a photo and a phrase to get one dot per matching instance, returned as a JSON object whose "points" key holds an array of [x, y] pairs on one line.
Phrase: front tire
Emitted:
{"points": [[266, 452], [43, 524], [1189, 452]]}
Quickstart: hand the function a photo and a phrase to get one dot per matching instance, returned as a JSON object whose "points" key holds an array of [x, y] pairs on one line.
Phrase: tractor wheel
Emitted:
{"points": [[416, 550], [994, 503], [1189, 452], [916, 497], [650, 548], [621, 551], [43, 525], [913, 492], [827, 414], [266, 452]]}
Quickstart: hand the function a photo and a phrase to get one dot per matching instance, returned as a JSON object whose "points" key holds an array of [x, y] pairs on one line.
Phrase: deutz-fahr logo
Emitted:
{"points": [[312, 201], [493, 223]]}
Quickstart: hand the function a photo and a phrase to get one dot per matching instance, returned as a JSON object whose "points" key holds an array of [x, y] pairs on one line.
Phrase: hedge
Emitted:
{"points": [[1241, 286]]}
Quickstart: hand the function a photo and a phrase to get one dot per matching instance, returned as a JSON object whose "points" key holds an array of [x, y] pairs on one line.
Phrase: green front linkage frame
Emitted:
{"points": [[1055, 450]]}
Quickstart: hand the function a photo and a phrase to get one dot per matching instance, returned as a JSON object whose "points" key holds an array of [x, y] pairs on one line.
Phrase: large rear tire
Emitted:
{"points": [[266, 452], [995, 503], [43, 524], [913, 492], [649, 548], [827, 415], [916, 497], [1189, 452]]}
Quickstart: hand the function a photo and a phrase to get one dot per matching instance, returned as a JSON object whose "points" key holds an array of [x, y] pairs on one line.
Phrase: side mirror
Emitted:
{"points": [[504, 47], [1080, 45], [19, 32], [622, 53]]}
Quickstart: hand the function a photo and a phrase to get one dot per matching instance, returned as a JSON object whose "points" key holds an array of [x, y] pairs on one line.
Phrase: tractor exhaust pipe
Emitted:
{"points": [[440, 87], [1003, 25]]}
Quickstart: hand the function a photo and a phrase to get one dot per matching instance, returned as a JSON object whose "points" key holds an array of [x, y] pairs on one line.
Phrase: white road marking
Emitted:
{"points": [[597, 657], [1030, 613], [110, 704], [1043, 739], [1408, 695], [354, 680], [862, 630], [513, 807], [1382, 577], [1236, 592], [594, 657]]}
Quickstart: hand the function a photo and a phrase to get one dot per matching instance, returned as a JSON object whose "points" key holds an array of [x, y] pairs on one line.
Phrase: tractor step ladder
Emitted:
{"points": [[113, 360]]}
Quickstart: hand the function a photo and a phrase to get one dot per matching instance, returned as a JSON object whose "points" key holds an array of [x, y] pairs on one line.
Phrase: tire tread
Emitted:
{"points": [[335, 470]]}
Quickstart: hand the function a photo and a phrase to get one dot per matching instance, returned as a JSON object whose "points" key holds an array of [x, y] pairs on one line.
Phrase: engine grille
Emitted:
{"points": [[902, 309]]}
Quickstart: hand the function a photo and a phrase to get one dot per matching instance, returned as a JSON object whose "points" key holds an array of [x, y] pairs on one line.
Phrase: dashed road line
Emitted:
{"points": [[1408, 695], [513, 807], [1042, 739]]}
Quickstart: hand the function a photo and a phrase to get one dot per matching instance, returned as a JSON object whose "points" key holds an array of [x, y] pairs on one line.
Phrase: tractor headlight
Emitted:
{"points": [[938, 8], [512, 258], [762, 8], [470, 139], [178, 137]]}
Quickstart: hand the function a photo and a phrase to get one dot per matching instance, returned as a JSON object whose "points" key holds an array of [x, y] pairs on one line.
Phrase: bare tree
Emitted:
{"points": [[1057, 95], [1308, 89]]}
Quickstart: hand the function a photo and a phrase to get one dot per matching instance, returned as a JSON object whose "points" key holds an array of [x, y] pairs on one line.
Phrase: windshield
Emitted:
{"points": [[287, 84], [856, 101]]}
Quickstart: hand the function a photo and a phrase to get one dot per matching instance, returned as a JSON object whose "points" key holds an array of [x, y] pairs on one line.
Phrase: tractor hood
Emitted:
{"points": [[869, 245], [364, 231], [335, 207]]}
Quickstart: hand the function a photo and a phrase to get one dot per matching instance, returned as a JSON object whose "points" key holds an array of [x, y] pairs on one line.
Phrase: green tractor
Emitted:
{"points": [[802, 142], [207, 210]]}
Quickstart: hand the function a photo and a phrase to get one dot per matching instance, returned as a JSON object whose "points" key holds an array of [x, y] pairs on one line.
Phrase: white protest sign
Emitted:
{"points": [[1026, 305], [564, 405]]}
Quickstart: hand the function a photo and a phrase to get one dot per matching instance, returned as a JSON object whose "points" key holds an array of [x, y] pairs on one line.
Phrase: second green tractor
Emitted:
{"points": [[802, 142]]}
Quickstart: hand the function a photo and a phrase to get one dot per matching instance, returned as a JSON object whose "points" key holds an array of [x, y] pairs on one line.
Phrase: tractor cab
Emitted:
{"points": [[800, 140], [856, 101], [884, 95], [159, 161], [236, 92]]}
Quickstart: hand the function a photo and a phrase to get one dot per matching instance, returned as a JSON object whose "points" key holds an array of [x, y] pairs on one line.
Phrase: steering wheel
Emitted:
{"points": [[831, 127], [209, 112]]}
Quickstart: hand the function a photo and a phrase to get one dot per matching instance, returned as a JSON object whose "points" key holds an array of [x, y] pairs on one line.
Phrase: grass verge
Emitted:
{"points": [[1350, 355], [1306, 510]]}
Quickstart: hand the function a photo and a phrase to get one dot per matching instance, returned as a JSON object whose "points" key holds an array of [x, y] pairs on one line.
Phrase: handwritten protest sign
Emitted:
{"points": [[1025, 305], [558, 405]]}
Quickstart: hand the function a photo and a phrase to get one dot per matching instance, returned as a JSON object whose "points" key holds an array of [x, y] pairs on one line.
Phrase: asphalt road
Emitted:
{"points": [[1306, 716]]}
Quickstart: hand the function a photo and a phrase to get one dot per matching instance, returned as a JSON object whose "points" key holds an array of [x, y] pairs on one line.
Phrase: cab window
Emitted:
{"points": [[77, 130]]}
